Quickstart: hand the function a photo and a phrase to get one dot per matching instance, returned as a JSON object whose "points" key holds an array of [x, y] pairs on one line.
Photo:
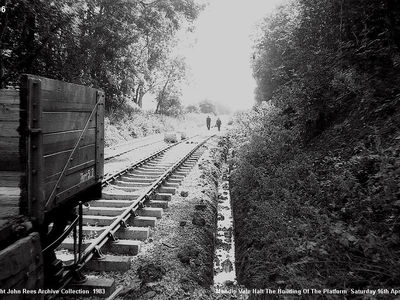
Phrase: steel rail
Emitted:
{"points": [[109, 156], [105, 182], [117, 174], [129, 211], [95, 247]]}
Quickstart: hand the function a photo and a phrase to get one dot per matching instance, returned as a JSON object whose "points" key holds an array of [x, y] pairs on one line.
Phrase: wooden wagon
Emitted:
{"points": [[51, 145]]}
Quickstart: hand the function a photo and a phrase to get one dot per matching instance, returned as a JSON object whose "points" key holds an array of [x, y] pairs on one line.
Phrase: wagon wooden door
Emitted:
{"points": [[65, 141]]}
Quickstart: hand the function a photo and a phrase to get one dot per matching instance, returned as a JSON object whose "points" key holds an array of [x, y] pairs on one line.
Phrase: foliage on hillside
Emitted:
{"points": [[316, 177], [124, 126], [320, 60], [120, 46], [121, 128]]}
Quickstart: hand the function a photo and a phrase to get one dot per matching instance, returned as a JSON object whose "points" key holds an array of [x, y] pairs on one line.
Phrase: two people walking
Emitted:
{"points": [[217, 123]]}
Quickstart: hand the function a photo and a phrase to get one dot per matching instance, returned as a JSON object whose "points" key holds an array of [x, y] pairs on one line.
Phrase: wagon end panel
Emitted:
{"points": [[32, 141], [71, 116], [100, 137]]}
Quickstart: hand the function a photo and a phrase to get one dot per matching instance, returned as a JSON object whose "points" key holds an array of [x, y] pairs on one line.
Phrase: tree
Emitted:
{"points": [[27, 29], [167, 82], [117, 45], [192, 109], [313, 56], [171, 106], [207, 107]]}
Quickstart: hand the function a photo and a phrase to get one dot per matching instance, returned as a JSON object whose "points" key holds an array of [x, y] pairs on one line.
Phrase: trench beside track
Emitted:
{"points": [[145, 181]]}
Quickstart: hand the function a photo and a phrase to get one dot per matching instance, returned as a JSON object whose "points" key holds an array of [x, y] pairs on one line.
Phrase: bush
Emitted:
{"points": [[192, 109], [136, 124], [313, 217], [120, 127], [316, 173]]}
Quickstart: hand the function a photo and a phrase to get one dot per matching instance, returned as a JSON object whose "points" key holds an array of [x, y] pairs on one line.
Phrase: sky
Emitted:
{"points": [[219, 51]]}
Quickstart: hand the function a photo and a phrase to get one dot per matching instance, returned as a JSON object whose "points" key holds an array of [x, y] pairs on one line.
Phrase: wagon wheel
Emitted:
{"points": [[52, 230]]}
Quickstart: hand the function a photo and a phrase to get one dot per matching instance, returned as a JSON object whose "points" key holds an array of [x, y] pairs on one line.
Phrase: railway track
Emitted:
{"points": [[110, 230], [117, 160], [115, 151]]}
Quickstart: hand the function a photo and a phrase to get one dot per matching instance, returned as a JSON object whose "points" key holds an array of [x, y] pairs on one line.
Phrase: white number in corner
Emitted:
{"points": [[3, 9], [86, 175]]}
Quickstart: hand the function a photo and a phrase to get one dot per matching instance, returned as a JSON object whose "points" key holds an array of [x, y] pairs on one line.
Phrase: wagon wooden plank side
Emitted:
{"points": [[12, 164], [54, 163], [68, 139], [70, 121], [51, 150], [21, 266], [63, 141], [9, 129], [58, 96], [10, 111], [51, 140]]}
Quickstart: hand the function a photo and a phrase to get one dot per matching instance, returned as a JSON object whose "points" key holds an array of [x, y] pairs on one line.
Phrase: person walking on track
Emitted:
{"points": [[218, 123], [208, 122]]}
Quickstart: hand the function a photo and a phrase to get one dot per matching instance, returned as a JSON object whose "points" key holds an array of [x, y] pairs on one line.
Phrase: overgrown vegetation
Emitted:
{"points": [[123, 47], [316, 178], [124, 125], [120, 128]]}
